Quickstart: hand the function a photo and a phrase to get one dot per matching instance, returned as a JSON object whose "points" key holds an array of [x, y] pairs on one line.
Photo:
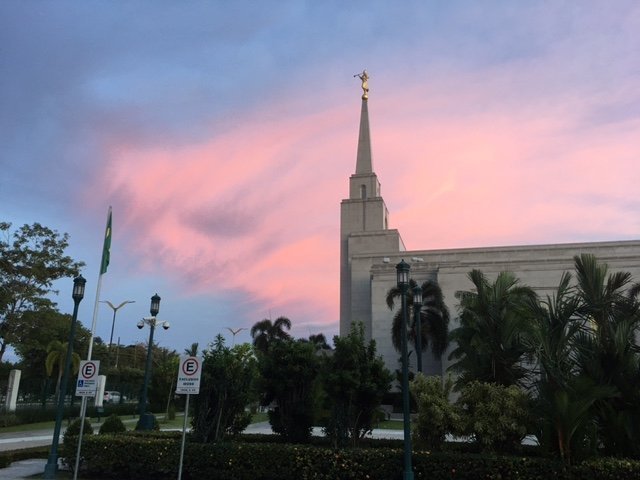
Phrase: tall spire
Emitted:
{"points": [[364, 163]]}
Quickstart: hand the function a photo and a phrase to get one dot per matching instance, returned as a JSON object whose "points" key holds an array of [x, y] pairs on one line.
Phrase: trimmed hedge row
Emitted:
{"points": [[8, 457], [154, 457]]}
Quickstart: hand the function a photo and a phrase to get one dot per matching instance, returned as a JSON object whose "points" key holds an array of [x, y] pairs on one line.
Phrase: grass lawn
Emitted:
{"points": [[259, 417], [390, 425], [129, 421], [28, 427]]}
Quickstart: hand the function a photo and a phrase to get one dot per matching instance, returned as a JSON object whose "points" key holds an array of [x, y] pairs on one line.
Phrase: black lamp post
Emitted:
{"points": [[51, 467], [147, 419], [417, 307], [402, 270]]}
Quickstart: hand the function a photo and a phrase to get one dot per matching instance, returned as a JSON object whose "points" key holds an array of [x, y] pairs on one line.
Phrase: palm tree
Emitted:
{"points": [[608, 352], [192, 350], [493, 326], [555, 329], [319, 341], [56, 355], [434, 318], [265, 332], [565, 398]]}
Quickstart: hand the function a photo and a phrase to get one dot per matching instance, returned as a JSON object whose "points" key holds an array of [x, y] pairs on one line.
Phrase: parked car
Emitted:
{"points": [[111, 397]]}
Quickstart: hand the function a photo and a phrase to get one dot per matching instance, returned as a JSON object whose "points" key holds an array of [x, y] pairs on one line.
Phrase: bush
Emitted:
{"points": [[8, 457], [227, 387], [70, 440], [112, 424], [154, 457], [9, 420], [73, 430], [156, 425], [436, 416], [495, 416]]}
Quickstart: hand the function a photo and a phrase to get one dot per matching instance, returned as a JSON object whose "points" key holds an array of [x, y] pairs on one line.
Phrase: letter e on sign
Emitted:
{"points": [[189, 374], [190, 367]]}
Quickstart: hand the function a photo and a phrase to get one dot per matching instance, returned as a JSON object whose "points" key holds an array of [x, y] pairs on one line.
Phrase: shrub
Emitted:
{"points": [[436, 415], [355, 381], [9, 420], [112, 424], [290, 377], [73, 430], [70, 440], [156, 425], [495, 416], [227, 387], [8, 457], [154, 457]]}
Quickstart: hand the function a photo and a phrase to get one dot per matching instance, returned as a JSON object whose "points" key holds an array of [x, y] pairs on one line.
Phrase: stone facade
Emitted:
{"points": [[369, 252]]}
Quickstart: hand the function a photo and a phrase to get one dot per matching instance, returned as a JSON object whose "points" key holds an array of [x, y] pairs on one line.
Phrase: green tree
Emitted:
{"points": [[227, 387], [490, 341], [37, 330], [56, 356], [355, 380], [264, 332], [289, 382], [161, 385], [434, 318], [31, 259]]}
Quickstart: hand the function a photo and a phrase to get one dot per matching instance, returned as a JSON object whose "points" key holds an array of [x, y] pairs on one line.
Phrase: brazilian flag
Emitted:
{"points": [[107, 246]]}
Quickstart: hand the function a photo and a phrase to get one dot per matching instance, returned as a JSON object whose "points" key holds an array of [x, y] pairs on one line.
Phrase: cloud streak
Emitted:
{"points": [[224, 136]]}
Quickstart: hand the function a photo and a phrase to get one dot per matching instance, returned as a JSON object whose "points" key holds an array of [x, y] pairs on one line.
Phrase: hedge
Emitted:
{"points": [[156, 457], [10, 456]]}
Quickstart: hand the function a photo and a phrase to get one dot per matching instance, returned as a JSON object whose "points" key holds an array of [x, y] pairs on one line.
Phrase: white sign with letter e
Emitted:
{"points": [[189, 373], [87, 378]]}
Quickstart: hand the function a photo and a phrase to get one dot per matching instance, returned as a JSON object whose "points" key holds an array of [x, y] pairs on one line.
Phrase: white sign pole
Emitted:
{"points": [[188, 383], [86, 386], [184, 436]]}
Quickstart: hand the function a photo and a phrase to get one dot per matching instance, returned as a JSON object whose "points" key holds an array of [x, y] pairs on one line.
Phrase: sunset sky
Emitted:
{"points": [[223, 135]]}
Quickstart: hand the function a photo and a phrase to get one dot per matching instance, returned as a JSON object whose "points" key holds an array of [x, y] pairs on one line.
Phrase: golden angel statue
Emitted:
{"points": [[364, 76]]}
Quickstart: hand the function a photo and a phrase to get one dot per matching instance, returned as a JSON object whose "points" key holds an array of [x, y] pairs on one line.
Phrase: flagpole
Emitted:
{"points": [[104, 262]]}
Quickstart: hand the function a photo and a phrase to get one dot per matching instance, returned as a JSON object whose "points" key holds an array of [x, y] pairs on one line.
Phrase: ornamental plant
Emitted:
{"points": [[493, 415], [436, 415], [112, 425]]}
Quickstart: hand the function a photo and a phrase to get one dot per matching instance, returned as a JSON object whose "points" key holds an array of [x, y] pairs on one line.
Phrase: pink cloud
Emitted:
{"points": [[457, 169]]}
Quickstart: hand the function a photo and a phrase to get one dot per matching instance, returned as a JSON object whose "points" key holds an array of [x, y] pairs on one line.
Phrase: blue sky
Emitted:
{"points": [[223, 135]]}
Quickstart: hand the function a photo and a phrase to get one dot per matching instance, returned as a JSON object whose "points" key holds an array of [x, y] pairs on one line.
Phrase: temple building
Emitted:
{"points": [[370, 250]]}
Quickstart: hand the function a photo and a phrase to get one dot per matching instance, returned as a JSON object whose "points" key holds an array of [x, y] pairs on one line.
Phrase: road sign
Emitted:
{"points": [[87, 378], [189, 373]]}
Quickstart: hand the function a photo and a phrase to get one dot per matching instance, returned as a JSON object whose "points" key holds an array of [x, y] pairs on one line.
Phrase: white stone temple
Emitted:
{"points": [[370, 250]]}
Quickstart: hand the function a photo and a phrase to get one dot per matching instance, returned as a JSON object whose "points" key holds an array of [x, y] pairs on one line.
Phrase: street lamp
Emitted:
{"points": [[147, 419], [417, 307], [402, 271], [51, 467], [113, 322], [235, 332]]}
